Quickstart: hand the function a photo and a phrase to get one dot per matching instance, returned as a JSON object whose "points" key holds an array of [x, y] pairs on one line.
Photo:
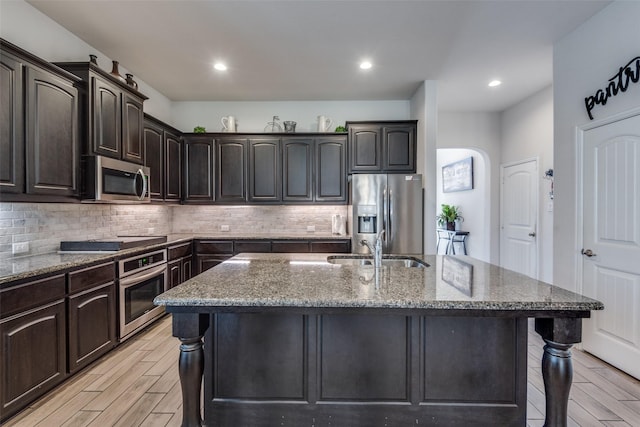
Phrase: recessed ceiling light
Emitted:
{"points": [[220, 66], [494, 83], [365, 65]]}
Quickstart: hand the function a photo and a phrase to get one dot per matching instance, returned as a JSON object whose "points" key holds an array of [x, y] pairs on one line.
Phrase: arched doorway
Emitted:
{"points": [[474, 204]]}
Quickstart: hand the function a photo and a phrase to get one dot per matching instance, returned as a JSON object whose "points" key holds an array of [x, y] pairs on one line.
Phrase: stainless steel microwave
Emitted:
{"points": [[108, 180]]}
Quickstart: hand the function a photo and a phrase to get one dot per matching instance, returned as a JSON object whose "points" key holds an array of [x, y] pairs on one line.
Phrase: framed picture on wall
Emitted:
{"points": [[458, 176]]}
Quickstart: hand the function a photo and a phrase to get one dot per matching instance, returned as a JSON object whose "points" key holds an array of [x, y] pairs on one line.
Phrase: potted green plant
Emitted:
{"points": [[448, 217]]}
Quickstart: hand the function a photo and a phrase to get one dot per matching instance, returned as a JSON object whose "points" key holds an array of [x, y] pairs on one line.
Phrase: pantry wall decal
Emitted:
{"points": [[630, 73]]}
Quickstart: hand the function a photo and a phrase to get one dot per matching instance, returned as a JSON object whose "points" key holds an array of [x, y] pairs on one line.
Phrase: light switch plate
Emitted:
{"points": [[224, 228], [311, 228]]}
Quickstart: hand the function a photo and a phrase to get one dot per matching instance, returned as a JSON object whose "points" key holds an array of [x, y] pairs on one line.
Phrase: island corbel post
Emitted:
{"points": [[189, 328], [559, 334]]}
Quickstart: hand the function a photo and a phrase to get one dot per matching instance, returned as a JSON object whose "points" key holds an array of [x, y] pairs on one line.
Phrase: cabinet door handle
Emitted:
{"points": [[532, 234], [588, 253]]}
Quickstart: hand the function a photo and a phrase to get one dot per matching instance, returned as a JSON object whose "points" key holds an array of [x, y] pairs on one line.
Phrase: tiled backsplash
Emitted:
{"points": [[44, 225], [255, 219]]}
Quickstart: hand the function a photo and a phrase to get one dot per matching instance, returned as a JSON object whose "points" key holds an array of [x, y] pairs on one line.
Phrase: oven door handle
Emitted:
{"points": [[142, 276]]}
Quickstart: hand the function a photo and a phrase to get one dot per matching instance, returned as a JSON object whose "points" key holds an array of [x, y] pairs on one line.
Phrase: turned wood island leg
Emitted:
{"points": [[189, 328], [557, 369]]}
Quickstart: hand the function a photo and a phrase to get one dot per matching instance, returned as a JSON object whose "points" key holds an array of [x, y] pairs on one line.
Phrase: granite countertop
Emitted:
{"points": [[309, 281], [24, 267]]}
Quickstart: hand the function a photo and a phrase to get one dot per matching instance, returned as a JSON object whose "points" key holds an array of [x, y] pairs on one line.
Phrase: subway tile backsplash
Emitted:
{"points": [[254, 218], [44, 225]]}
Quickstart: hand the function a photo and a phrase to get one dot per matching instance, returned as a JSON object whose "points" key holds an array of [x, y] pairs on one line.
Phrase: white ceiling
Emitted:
{"points": [[310, 50]]}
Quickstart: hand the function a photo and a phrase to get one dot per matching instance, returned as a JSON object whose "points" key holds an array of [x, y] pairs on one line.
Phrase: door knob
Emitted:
{"points": [[533, 234], [588, 253]]}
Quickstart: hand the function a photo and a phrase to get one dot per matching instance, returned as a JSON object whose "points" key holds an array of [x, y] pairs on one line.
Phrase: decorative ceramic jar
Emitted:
{"points": [[116, 73], [131, 82]]}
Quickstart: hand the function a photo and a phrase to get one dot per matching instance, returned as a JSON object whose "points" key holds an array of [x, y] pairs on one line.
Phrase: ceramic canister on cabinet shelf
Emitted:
{"points": [[229, 124], [324, 124]]}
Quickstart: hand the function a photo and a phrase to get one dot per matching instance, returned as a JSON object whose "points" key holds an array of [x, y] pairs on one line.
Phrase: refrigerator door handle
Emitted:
{"points": [[386, 224], [388, 232]]}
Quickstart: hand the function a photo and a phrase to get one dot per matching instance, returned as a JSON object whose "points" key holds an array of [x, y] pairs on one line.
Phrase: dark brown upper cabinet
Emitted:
{"points": [[276, 169], [384, 146], [231, 170], [113, 112], [38, 149], [198, 169], [132, 126], [265, 173], [52, 134], [314, 169], [297, 169], [154, 158], [163, 156], [365, 143], [12, 126], [331, 170], [173, 166]]}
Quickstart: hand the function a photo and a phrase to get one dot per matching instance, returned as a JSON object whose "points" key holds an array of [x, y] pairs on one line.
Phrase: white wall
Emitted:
{"points": [[472, 204], [424, 108], [526, 133], [254, 116], [31, 30], [583, 62], [480, 132]]}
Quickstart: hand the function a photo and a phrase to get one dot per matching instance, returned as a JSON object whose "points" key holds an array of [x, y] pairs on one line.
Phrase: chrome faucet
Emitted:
{"points": [[376, 249]]}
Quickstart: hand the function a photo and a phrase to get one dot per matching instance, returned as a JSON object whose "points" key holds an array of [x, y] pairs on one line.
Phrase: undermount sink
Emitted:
{"points": [[389, 260]]}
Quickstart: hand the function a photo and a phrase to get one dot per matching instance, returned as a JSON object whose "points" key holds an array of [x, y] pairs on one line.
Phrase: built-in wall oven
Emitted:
{"points": [[141, 279]]}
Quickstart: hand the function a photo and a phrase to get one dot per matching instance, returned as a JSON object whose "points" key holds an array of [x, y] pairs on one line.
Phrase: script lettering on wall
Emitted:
{"points": [[626, 75]]}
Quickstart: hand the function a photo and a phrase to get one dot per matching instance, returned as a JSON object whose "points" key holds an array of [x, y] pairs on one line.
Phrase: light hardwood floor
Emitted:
{"points": [[137, 385]]}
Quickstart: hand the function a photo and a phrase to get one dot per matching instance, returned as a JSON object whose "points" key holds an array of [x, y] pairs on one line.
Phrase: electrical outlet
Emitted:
{"points": [[224, 228], [311, 228], [20, 248]]}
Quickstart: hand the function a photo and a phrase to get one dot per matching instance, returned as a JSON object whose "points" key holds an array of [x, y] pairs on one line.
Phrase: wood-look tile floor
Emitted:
{"points": [[137, 385]]}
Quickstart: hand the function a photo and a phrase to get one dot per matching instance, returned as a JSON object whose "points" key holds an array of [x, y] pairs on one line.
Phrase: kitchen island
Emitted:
{"points": [[295, 340]]}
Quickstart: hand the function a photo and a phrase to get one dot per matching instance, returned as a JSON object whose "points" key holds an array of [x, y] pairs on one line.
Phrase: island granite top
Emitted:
{"points": [[310, 281]]}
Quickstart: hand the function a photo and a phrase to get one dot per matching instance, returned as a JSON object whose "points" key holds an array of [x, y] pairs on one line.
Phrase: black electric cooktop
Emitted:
{"points": [[110, 244]]}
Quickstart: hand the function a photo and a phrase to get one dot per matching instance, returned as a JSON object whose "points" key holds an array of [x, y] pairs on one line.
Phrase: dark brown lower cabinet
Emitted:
{"points": [[34, 356], [206, 262], [359, 369], [179, 271], [179, 263], [210, 253], [279, 246], [92, 325], [261, 246], [175, 272], [91, 313], [330, 246]]}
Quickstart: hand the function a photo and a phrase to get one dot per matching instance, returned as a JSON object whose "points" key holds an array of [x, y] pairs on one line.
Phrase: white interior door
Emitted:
{"points": [[519, 217], [611, 232]]}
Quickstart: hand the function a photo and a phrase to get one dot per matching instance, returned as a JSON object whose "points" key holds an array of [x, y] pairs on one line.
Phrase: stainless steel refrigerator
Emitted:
{"points": [[390, 202]]}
